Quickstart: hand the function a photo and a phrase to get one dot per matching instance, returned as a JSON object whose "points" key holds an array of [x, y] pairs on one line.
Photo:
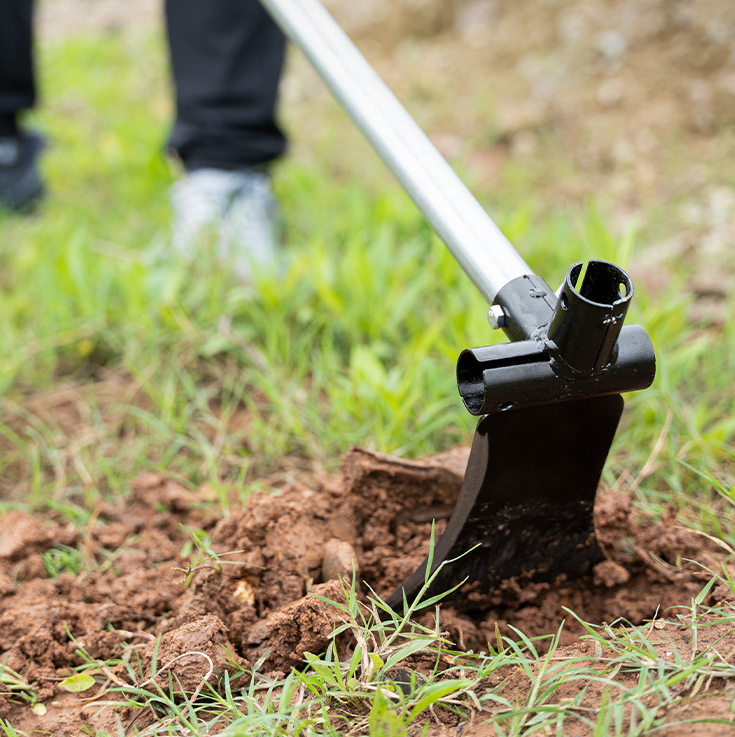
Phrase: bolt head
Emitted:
{"points": [[496, 317]]}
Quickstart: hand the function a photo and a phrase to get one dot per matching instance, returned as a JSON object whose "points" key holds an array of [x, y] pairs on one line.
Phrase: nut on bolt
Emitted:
{"points": [[496, 317]]}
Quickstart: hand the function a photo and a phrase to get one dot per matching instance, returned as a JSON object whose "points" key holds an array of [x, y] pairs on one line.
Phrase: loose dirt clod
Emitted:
{"points": [[270, 599], [610, 574], [195, 653], [302, 627], [22, 534]]}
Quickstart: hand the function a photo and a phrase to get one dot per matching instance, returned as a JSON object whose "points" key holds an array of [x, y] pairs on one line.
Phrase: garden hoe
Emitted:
{"points": [[549, 402]]}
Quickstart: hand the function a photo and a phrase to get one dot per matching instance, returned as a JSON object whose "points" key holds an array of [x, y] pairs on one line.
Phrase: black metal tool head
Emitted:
{"points": [[550, 405]]}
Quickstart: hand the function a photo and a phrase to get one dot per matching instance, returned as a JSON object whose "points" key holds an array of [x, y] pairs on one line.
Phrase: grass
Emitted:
{"points": [[118, 359], [318, 359], [353, 345], [399, 677]]}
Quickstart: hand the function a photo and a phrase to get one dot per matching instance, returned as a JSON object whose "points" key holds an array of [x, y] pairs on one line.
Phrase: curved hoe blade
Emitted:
{"points": [[526, 501]]}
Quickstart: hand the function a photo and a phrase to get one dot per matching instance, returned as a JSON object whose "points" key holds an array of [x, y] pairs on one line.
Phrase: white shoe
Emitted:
{"points": [[230, 213]]}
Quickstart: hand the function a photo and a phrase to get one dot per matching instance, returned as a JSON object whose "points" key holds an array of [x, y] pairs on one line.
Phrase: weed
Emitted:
{"points": [[8, 730], [14, 686], [63, 559], [206, 558]]}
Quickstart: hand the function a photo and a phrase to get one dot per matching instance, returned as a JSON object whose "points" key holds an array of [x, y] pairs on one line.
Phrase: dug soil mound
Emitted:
{"points": [[132, 576]]}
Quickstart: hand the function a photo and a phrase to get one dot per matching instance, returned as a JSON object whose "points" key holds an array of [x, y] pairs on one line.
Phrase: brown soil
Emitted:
{"points": [[254, 603]]}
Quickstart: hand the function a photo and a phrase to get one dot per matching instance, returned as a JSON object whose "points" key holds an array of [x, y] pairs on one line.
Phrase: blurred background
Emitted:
{"points": [[632, 101]]}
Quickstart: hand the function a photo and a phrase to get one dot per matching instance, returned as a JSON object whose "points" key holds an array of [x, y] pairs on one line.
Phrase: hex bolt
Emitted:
{"points": [[496, 317]]}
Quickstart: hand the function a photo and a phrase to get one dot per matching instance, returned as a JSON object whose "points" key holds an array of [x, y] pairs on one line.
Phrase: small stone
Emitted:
{"points": [[244, 592], [338, 560]]}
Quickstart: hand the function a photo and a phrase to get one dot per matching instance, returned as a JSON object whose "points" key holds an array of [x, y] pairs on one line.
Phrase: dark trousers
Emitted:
{"points": [[226, 58], [17, 91]]}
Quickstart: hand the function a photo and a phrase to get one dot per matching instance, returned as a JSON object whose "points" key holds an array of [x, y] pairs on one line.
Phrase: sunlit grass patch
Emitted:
{"points": [[354, 343]]}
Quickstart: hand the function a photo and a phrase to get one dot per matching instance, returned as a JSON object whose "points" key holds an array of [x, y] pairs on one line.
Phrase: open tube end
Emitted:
{"points": [[587, 321], [470, 382]]}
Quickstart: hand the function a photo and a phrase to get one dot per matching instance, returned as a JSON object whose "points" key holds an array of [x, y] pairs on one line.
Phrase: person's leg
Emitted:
{"points": [[17, 89], [20, 183], [226, 57]]}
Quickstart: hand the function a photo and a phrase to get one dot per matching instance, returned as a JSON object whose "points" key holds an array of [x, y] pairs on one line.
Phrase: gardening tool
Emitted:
{"points": [[549, 401]]}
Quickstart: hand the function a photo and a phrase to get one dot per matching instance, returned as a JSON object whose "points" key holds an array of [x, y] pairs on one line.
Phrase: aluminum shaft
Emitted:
{"points": [[478, 245]]}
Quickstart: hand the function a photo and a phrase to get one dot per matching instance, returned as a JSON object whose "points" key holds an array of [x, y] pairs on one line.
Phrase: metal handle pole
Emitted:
{"points": [[483, 252]]}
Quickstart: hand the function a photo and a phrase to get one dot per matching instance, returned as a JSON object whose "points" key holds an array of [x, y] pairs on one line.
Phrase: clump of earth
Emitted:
{"points": [[138, 578]]}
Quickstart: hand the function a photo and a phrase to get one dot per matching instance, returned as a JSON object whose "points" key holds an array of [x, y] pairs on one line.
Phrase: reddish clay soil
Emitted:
{"points": [[290, 542]]}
